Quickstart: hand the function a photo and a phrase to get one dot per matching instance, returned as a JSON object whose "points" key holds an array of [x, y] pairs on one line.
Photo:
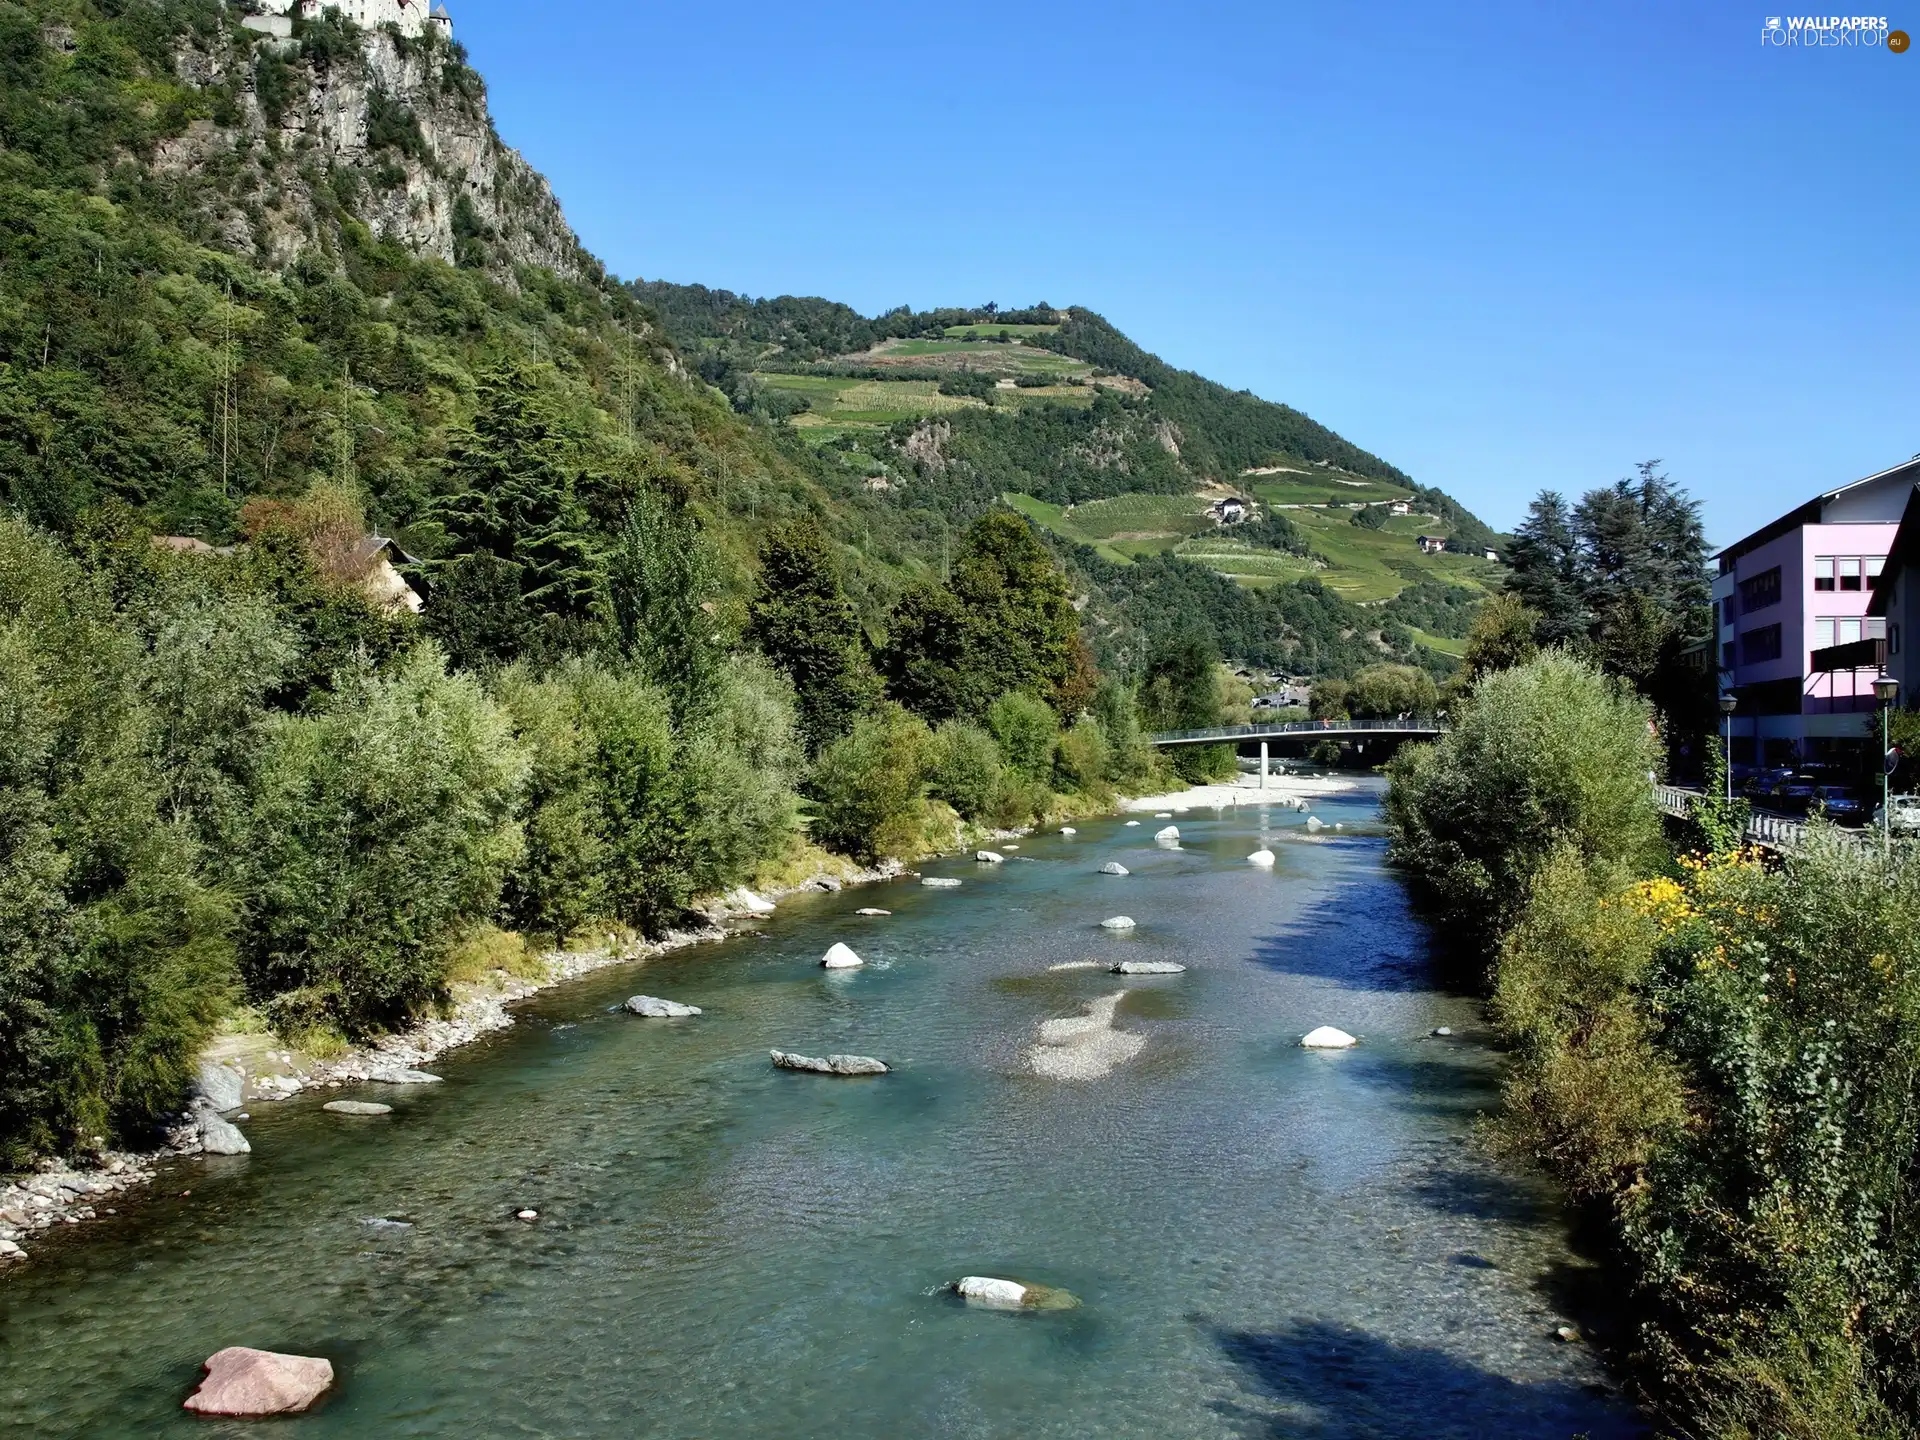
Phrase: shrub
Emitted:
{"points": [[967, 770], [116, 963], [384, 825], [867, 786], [1024, 728], [1383, 691], [1550, 753], [1082, 758]]}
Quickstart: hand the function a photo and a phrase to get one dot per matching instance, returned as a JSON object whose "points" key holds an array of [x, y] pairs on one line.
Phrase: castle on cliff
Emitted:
{"points": [[411, 18]]}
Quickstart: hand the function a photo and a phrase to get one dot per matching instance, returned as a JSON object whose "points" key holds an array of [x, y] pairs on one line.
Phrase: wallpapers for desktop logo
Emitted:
{"points": [[1859, 32]]}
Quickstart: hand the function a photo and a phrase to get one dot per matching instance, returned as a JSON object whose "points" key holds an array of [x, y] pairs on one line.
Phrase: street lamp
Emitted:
{"points": [[1886, 690], [1728, 703]]}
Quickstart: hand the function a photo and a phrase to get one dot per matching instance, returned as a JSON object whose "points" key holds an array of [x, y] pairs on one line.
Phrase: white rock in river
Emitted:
{"points": [[989, 857], [221, 1086], [938, 882], [1068, 830], [985, 1290], [1117, 922], [1148, 967], [400, 1075], [357, 1107], [1314, 822], [745, 900], [1262, 858], [1114, 867], [832, 1065], [1327, 1038], [1163, 815], [1172, 832], [871, 911], [217, 1137], [1132, 823], [652, 1007], [1009, 847], [840, 957]]}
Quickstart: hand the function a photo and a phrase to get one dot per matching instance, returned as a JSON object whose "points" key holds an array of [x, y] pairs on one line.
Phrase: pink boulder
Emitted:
{"points": [[258, 1382]]}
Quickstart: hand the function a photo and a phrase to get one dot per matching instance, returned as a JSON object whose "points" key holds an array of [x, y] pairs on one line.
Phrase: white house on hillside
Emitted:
{"points": [[411, 18]]}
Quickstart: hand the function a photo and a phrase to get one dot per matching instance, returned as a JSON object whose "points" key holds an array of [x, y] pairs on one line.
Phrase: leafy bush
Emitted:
{"points": [[115, 960], [1024, 729], [1082, 759], [1381, 692], [968, 771], [384, 824], [1548, 754], [867, 786]]}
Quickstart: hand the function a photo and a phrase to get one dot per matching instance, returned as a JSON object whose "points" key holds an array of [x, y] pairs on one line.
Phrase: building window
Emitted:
{"points": [[1727, 660], [1875, 564], [1849, 574], [1761, 591], [1845, 629], [1876, 627], [1823, 573], [1759, 646], [1822, 634]]}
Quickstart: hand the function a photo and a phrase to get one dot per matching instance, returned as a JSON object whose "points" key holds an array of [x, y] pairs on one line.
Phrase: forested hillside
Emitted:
{"points": [[387, 593]]}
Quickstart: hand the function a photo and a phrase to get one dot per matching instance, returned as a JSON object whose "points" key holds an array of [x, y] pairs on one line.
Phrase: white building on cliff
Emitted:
{"points": [[412, 18]]}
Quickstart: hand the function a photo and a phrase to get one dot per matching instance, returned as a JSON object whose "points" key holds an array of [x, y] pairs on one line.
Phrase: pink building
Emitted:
{"points": [[1790, 612]]}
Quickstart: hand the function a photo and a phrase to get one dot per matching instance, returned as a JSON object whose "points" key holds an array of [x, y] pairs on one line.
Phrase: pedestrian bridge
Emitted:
{"points": [[1302, 730]]}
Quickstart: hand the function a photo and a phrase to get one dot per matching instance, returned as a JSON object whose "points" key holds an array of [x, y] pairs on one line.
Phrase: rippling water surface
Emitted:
{"points": [[1266, 1241]]}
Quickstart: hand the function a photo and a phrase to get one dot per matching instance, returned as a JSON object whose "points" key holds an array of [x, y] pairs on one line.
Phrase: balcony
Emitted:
{"points": [[1869, 654]]}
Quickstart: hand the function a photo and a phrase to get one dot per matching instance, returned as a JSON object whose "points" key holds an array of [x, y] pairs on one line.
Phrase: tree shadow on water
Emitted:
{"points": [[1365, 936], [1336, 1382]]}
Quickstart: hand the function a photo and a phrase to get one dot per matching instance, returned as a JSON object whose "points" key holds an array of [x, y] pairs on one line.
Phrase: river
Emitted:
{"points": [[1266, 1241]]}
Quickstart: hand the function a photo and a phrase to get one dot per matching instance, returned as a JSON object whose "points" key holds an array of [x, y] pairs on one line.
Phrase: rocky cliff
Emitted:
{"points": [[340, 122]]}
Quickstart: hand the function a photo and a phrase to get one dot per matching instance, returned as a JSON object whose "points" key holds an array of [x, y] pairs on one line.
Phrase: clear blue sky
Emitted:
{"points": [[1505, 246]]}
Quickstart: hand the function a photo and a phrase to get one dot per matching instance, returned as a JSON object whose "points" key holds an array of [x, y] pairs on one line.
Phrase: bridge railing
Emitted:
{"points": [[1774, 832], [1279, 728]]}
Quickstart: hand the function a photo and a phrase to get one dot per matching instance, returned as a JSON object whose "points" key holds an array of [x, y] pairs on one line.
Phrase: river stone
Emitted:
{"points": [[357, 1107], [1172, 832], [1117, 922], [401, 1075], [871, 911], [841, 957], [1068, 830], [1132, 823], [1262, 858], [218, 1137], [1441, 1032], [988, 857], [1148, 967], [985, 1290], [1163, 815], [246, 1383], [937, 882], [745, 900], [832, 1065], [1114, 867], [221, 1086], [1315, 823], [652, 1007], [1327, 1038]]}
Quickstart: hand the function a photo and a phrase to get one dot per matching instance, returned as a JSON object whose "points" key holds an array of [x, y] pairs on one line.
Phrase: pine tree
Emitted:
{"points": [[664, 584], [1545, 569]]}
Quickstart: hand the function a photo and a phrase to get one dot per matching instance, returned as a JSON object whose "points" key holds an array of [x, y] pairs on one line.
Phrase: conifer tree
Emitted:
{"points": [[804, 623]]}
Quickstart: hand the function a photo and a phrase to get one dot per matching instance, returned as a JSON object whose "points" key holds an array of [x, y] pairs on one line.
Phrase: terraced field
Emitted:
{"points": [[1321, 488], [1372, 565], [1143, 516], [982, 355], [977, 332]]}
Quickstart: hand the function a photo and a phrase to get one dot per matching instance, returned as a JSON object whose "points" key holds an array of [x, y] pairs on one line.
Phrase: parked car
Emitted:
{"points": [[1840, 804], [1906, 814], [1796, 792]]}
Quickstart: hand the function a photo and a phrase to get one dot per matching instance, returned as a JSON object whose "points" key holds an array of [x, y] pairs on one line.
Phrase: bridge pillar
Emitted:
{"points": [[1263, 764]]}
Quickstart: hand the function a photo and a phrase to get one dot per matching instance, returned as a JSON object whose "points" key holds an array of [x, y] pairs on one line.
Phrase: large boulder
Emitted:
{"points": [[247, 1383], [832, 1065], [357, 1107], [989, 857], [1114, 867], [223, 1087], [872, 910], [1262, 858], [1171, 833], [1068, 830], [1148, 967], [940, 882], [1327, 1038], [745, 901], [1117, 922], [652, 1007], [401, 1075], [219, 1137], [841, 957], [1314, 822]]}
